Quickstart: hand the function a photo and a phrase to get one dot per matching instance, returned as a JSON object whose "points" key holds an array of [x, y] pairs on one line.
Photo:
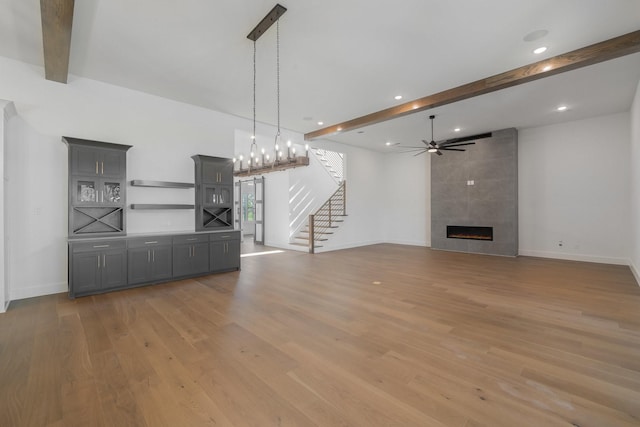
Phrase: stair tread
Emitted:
{"points": [[317, 232], [306, 238]]}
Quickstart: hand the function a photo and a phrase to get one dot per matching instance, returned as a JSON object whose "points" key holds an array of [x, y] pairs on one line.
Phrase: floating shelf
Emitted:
{"points": [[162, 184], [160, 206]]}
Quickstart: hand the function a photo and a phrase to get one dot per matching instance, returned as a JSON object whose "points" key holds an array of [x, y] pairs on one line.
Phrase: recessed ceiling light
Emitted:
{"points": [[320, 123], [388, 143], [397, 97], [540, 50], [546, 68], [562, 108], [456, 130], [339, 129]]}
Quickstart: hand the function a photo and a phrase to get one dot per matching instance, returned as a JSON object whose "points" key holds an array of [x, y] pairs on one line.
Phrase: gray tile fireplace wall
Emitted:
{"points": [[478, 187]]}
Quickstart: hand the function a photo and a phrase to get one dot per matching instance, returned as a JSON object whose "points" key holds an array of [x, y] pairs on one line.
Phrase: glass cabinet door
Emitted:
{"points": [[111, 192], [217, 195], [86, 191], [97, 191]]}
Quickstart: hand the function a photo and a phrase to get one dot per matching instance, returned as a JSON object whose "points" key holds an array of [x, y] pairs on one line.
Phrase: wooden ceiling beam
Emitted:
{"points": [[57, 19], [604, 51]]}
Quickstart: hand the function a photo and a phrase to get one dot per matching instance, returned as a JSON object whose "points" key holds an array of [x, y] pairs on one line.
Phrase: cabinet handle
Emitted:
{"points": [[104, 261], [101, 246], [148, 256], [192, 239], [194, 251], [153, 256], [96, 167], [152, 242], [98, 261]]}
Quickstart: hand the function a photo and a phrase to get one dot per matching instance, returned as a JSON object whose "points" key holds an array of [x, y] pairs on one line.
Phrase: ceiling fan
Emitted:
{"points": [[446, 145]]}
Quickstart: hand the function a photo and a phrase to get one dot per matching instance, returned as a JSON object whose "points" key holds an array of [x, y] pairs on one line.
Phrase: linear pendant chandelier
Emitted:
{"points": [[262, 164]]}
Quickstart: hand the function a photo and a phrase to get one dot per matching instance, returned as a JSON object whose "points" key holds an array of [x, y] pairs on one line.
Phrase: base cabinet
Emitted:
{"points": [[190, 255], [104, 264], [97, 267], [224, 251], [149, 260]]}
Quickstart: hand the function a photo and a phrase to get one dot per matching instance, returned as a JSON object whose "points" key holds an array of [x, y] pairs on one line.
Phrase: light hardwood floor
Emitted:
{"points": [[384, 335]]}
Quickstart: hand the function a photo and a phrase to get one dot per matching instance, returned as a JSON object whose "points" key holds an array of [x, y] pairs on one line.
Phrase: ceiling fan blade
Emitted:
{"points": [[465, 138], [452, 149], [439, 153], [421, 152], [410, 146], [458, 144]]}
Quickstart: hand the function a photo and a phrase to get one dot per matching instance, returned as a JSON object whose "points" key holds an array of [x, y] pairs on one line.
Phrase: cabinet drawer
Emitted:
{"points": [[229, 235], [97, 245], [191, 238], [145, 242]]}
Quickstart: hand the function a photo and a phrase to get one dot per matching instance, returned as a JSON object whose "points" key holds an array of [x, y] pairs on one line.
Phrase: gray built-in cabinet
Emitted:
{"points": [[149, 259], [214, 193], [96, 266], [97, 187], [102, 258], [224, 251], [107, 264], [190, 254]]}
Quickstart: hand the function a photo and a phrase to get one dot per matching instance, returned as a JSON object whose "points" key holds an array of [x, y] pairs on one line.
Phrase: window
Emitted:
{"points": [[248, 207]]}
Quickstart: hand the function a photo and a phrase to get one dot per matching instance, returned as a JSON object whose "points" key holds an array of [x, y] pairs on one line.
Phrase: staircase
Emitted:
{"points": [[324, 221], [333, 163]]}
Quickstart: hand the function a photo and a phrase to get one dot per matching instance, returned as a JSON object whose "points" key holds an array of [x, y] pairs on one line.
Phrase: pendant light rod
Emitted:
{"points": [[278, 70], [431, 118], [254, 146], [271, 17]]}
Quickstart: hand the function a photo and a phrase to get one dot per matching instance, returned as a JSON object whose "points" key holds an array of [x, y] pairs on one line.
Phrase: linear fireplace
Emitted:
{"points": [[469, 232]]}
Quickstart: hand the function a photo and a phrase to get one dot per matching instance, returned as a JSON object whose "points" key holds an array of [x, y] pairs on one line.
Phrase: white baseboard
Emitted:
{"points": [[37, 291], [409, 243], [635, 272], [330, 248], [574, 257]]}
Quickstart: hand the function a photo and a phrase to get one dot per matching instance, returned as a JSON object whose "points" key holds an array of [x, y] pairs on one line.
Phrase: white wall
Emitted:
{"points": [[407, 197], [573, 187], [635, 185]]}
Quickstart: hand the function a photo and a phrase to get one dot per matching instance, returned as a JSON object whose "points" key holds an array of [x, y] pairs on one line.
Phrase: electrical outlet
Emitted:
{"points": [[560, 243]]}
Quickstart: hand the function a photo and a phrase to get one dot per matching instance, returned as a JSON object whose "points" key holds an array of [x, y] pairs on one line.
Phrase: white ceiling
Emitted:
{"points": [[341, 59]]}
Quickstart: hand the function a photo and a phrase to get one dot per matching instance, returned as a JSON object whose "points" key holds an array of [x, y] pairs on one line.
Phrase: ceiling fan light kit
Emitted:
{"points": [[446, 145]]}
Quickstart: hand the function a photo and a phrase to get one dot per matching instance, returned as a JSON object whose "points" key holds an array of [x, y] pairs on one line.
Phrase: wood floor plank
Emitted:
{"points": [[373, 336]]}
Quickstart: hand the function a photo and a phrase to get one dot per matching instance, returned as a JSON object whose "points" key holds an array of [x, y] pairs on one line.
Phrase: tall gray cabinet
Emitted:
{"points": [[214, 193], [97, 187]]}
